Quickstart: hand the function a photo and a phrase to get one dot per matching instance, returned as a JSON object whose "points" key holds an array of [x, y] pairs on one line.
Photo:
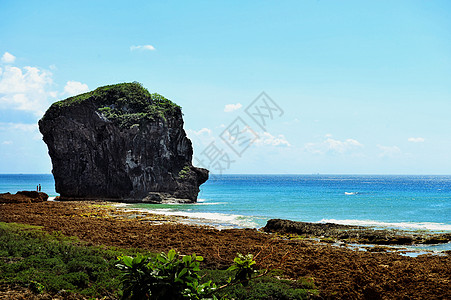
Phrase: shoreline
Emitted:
{"points": [[432, 227], [408, 241], [339, 272]]}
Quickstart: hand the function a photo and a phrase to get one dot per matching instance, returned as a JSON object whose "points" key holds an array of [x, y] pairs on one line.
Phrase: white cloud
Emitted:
{"points": [[203, 131], [389, 151], [7, 142], [73, 88], [30, 88], [201, 137], [25, 89], [142, 47], [416, 139], [8, 58], [232, 107], [266, 138], [19, 127], [330, 145]]}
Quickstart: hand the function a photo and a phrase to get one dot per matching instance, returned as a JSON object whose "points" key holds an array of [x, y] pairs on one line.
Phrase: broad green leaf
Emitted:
{"points": [[171, 254], [199, 258], [127, 260], [162, 258], [183, 272], [187, 259]]}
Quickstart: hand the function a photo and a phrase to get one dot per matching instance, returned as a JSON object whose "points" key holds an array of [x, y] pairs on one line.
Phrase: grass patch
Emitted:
{"points": [[267, 287], [44, 262], [32, 258]]}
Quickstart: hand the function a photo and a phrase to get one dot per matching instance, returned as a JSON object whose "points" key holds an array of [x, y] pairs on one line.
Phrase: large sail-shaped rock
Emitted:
{"points": [[120, 142]]}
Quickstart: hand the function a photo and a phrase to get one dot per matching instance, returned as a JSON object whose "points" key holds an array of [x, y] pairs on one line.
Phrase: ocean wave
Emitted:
{"points": [[211, 203], [219, 220], [401, 225], [205, 202]]}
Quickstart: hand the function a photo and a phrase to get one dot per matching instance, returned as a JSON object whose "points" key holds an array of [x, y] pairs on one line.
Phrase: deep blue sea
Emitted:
{"points": [[409, 202]]}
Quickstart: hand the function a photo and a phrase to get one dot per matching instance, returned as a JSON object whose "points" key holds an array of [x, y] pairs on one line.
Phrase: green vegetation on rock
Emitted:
{"points": [[126, 104], [184, 172]]}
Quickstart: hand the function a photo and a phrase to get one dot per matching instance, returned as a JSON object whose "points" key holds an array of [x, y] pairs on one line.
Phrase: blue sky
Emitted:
{"points": [[364, 86]]}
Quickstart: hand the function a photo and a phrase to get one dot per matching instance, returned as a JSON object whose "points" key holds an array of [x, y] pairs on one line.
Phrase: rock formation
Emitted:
{"points": [[120, 142], [355, 234], [23, 197]]}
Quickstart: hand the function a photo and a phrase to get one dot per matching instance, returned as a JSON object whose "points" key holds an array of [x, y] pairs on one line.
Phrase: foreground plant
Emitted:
{"points": [[168, 277], [163, 277], [171, 276]]}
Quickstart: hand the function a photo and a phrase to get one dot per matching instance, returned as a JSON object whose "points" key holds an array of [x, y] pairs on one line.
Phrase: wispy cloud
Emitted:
{"points": [[389, 151], [232, 107], [18, 126], [416, 139], [8, 58], [203, 131], [330, 145], [201, 137], [142, 48], [73, 88], [20, 129], [266, 138]]}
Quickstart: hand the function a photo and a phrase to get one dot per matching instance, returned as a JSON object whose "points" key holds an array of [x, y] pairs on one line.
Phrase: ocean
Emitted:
{"points": [[405, 202]]}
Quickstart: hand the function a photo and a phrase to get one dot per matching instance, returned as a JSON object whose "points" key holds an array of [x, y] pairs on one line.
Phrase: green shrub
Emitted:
{"points": [[52, 262], [36, 287], [163, 277], [169, 277], [265, 287]]}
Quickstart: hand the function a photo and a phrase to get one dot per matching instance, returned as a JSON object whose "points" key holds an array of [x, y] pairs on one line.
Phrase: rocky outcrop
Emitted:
{"points": [[121, 143], [24, 197], [356, 234]]}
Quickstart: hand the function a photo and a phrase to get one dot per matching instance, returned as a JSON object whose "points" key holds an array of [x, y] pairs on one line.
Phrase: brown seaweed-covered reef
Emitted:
{"points": [[338, 272]]}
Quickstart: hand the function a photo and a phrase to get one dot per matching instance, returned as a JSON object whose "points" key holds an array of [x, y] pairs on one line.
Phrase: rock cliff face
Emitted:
{"points": [[122, 143]]}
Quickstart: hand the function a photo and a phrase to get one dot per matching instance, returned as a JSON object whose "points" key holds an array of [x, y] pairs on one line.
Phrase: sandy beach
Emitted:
{"points": [[338, 272]]}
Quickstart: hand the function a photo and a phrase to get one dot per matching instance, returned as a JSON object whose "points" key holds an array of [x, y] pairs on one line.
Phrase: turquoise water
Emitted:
{"points": [[27, 182], [410, 202]]}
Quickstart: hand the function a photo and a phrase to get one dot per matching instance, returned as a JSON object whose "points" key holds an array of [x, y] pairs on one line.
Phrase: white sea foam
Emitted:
{"points": [[205, 202], [404, 225], [214, 219]]}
